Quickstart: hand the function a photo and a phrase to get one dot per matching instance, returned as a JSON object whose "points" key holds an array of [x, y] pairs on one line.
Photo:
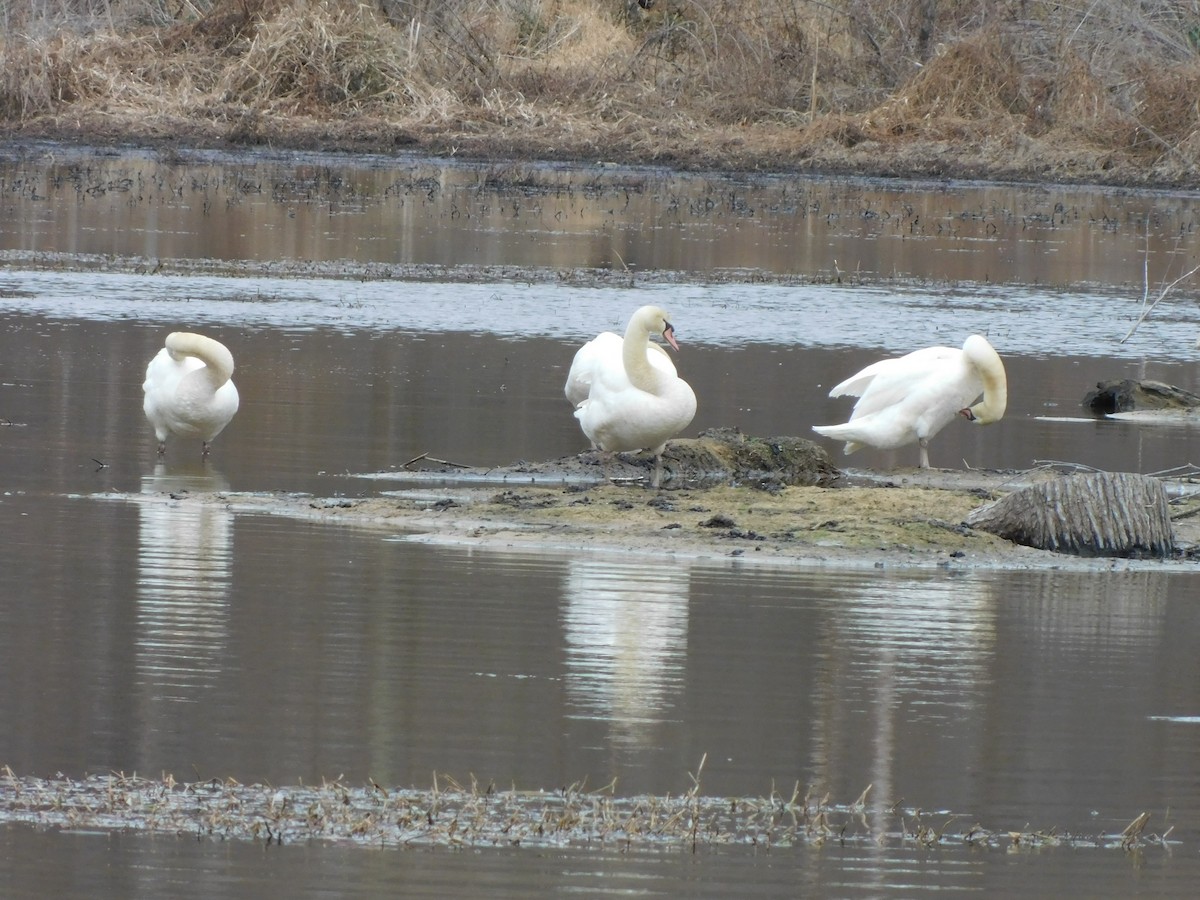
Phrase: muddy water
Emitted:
{"points": [[157, 637]]}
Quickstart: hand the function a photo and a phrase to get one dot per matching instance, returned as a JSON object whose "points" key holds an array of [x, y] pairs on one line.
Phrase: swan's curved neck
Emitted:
{"points": [[995, 392], [215, 355], [642, 374]]}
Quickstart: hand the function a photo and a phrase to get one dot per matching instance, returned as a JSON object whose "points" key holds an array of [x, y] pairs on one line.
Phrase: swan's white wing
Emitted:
{"points": [[894, 380], [163, 375], [858, 383], [601, 358], [587, 361]]}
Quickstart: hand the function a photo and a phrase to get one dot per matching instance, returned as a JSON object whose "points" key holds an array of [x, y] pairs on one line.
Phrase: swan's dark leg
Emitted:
{"points": [[204, 450]]}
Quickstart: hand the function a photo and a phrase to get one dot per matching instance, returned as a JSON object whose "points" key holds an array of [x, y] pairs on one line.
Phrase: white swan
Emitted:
{"points": [[910, 399], [188, 389], [628, 396], [608, 346]]}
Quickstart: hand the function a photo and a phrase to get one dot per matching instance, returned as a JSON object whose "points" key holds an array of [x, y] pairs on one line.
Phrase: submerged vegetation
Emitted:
{"points": [[451, 815], [1104, 91]]}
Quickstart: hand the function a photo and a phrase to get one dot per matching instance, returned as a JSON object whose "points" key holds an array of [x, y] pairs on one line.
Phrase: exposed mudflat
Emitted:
{"points": [[794, 507]]}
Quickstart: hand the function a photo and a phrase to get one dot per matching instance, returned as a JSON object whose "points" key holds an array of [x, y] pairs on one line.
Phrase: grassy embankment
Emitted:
{"points": [[1101, 91]]}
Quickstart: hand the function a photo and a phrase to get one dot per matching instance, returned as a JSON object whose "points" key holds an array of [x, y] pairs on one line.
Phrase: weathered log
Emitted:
{"points": [[1097, 514], [1129, 394]]}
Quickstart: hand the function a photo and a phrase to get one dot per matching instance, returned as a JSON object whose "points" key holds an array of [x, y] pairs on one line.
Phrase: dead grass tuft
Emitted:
{"points": [[1169, 107], [38, 78], [224, 28], [976, 80], [1074, 104], [312, 57]]}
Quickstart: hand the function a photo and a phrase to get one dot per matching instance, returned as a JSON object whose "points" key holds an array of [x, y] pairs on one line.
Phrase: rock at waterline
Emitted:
{"points": [[1095, 514], [1129, 395]]}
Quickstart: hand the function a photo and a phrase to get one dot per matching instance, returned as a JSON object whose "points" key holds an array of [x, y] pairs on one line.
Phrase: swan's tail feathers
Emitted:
{"points": [[840, 432], [214, 354]]}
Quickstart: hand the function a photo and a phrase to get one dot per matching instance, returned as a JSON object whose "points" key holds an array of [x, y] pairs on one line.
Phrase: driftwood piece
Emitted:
{"points": [[1097, 514], [1130, 394]]}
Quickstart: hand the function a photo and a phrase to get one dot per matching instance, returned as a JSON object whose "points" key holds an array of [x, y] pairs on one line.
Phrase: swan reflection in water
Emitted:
{"points": [[626, 642], [184, 572], [905, 655]]}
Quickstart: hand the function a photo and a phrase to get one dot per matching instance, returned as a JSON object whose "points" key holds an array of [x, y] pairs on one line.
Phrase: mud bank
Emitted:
{"points": [[776, 501]]}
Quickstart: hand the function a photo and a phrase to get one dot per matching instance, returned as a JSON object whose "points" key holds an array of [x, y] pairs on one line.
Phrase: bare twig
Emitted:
{"points": [[434, 459], [1146, 263], [1162, 294]]}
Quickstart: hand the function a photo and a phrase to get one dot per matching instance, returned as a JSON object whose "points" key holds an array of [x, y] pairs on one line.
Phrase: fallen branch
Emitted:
{"points": [[434, 459]]}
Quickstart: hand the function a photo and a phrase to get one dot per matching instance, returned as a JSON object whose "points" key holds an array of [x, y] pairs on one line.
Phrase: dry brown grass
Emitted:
{"points": [[976, 81], [699, 80], [454, 815]]}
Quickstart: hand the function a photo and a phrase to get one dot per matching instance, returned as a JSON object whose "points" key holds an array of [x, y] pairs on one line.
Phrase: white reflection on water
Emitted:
{"points": [[626, 643], [185, 558], [913, 625], [915, 650]]}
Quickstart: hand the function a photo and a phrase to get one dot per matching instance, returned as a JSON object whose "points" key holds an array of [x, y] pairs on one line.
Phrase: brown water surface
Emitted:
{"points": [[414, 211], [158, 637]]}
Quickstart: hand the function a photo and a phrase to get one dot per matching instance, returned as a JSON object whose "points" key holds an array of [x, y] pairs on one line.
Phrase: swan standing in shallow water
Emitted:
{"points": [[188, 389], [626, 392], [910, 399]]}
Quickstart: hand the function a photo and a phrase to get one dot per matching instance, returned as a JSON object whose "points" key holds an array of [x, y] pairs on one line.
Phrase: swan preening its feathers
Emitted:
{"points": [[626, 392], [188, 389], [910, 399]]}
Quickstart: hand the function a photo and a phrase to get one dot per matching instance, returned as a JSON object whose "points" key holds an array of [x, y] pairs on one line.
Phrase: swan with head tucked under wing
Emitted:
{"points": [[626, 392], [189, 391], [910, 399]]}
